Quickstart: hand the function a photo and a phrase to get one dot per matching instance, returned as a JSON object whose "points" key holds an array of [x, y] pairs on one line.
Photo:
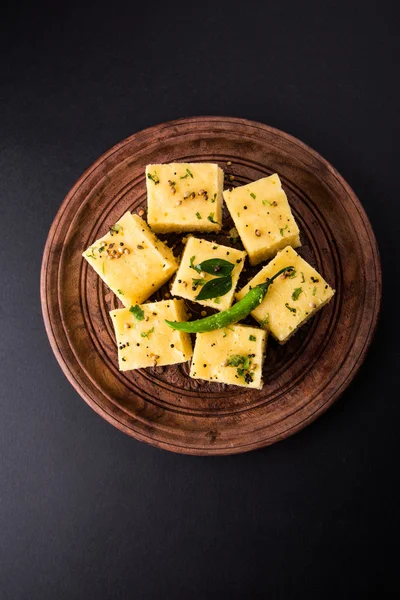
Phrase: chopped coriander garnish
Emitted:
{"points": [[302, 277], [211, 218], [217, 300], [235, 360], [266, 202], [197, 282], [188, 173], [198, 215], [282, 229], [242, 364], [147, 333], [154, 177], [213, 198], [116, 229], [101, 248], [293, 310], [120, 292], [103, 268], [91, 255], [253, 195], [137, 312], [193, 266], [296, 293], [314, 290], [265, 321], [252, 338]]}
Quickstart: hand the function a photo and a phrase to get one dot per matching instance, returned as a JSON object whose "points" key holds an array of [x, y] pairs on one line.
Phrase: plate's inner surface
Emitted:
{"points": [[162, 404], [189, 394]]}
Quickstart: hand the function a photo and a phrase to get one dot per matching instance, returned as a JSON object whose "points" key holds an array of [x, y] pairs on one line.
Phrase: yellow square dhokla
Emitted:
{"points": [[188, 281], [145, 340], [233, 355], [262, 216], [184, 197], [291, 299], [131, 260]]}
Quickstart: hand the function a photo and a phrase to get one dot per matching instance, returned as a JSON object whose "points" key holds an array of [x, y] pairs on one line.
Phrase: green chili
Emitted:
{"points": [[239, 311]]}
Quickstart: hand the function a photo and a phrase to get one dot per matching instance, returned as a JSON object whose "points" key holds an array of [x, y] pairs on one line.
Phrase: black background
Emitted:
{"points": [[87, 512]]}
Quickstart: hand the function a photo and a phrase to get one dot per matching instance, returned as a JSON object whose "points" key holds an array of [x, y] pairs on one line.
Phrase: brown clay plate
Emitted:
{"points": [[162, 405]]}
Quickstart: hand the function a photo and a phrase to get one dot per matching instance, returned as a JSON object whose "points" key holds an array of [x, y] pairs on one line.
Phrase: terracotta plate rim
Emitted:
{"points": [[212, 450]]}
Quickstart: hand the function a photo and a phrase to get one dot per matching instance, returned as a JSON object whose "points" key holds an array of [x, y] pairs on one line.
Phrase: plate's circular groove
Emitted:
{"points": [[169, 385], [163, 406]]}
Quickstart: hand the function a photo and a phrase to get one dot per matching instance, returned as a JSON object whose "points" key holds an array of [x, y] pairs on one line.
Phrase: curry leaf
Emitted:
{"points": [[215, 288], [216, 266]]}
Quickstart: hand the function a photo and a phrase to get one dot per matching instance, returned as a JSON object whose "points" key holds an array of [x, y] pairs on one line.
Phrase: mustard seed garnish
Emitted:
{"points": [[127, 326], [228, 164], [167, 295], [114, 252], [203, 313], [141, 212], [257, 232], [312, 305], [120, 250], [140, 247], [155, 358], [127, 251], [111, 246], [173, 190], [178, 203], [187, 195], [231, 177], [274, 203], [109, 257], [202, 192]]}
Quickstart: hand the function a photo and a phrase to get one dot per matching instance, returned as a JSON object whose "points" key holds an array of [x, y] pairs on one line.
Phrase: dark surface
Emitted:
{"points": [[85, 511]]}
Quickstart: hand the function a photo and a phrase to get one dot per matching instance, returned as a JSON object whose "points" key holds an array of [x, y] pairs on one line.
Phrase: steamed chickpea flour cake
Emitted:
{"points": [[134, 263]]}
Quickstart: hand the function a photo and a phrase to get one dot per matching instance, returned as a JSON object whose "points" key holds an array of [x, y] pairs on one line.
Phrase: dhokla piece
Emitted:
{"points": [[233, 355], [144, 339], [131, 260], [262, 216], [188, 281], [184, 197], [292, 299]]}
